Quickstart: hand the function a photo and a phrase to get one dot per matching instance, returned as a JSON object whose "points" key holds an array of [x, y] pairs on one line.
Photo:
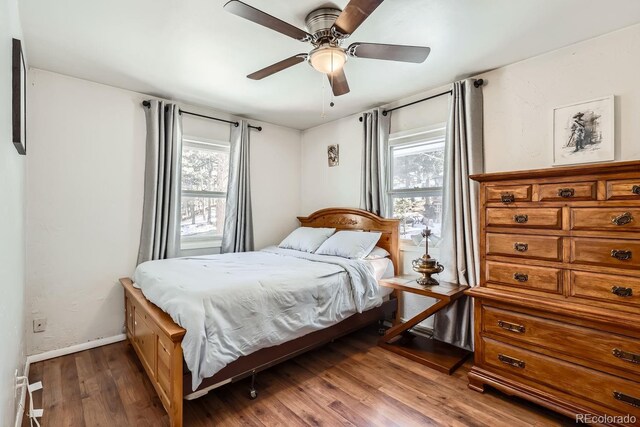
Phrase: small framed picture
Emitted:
{"points": [[333, 155], [19, 98], [584, 132]]}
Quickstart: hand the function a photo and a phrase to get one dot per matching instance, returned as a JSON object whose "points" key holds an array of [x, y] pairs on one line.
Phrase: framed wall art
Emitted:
{"points": [[19, 98], [333, 155], [584, 132]]}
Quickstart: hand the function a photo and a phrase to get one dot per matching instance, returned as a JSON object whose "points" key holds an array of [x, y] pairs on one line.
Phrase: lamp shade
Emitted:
{"points": [[327, 59]]}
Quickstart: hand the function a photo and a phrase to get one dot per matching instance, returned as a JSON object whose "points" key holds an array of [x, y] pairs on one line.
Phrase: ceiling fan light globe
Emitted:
{"points": [[327, 59]]}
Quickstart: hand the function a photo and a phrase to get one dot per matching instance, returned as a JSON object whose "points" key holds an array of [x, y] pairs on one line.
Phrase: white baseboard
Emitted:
{"points": [[74, 349]]}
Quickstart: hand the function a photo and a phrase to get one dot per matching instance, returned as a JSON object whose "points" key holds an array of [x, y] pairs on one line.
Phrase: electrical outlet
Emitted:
{"points": [[39, 325]]}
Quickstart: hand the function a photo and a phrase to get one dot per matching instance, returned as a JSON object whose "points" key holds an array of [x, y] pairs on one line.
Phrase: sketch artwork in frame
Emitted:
{"points": [[584, 132], [19, 98], [333, 155]]}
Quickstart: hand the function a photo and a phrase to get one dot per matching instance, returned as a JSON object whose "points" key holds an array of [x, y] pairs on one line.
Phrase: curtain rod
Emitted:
{"points": [[236, 124], [476, 83]]}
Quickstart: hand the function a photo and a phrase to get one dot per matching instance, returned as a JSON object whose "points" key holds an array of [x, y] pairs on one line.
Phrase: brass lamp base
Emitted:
{"points": [[426, 266], [427, 280]]}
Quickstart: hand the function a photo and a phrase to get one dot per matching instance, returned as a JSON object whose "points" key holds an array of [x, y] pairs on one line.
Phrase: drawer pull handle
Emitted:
{"points": [[566, 192], [508, 198], [622, 291], [633, 401], [626, 356], [512, 327], [521, 219], [623, 219], [522, 247], [636, 190], [521, 277], [507, 360], [621, 254]]}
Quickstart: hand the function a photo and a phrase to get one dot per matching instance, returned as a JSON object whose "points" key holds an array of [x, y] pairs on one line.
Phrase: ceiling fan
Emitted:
{"points": [[327, 28]]}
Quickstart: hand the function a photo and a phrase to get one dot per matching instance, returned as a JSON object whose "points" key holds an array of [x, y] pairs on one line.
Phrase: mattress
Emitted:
{"points": [[234, 304]]}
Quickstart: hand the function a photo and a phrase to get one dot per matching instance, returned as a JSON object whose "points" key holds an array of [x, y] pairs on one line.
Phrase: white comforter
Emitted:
{"points": [[234, 304]]}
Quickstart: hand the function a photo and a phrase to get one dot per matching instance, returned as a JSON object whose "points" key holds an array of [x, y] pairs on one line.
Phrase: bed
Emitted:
{"points": [[158, 340]]}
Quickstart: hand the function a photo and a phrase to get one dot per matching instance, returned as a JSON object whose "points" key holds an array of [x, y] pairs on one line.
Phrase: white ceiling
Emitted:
{"points": [[194, 51]]}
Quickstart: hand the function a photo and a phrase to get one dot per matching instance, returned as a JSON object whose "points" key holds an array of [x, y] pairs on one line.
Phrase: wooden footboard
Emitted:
{"points": [[157, 341]]}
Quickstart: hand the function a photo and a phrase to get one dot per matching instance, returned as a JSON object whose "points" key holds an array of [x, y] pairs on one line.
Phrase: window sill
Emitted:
{"points": [[201, 244]]}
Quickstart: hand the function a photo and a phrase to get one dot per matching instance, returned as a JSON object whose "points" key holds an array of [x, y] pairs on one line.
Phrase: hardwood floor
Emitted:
{"points": [[349, 382]]}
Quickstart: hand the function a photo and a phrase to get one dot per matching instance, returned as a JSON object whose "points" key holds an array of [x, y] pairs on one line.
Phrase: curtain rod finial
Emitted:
{"points": [[360, 118], [146, 104], [478, 82]]}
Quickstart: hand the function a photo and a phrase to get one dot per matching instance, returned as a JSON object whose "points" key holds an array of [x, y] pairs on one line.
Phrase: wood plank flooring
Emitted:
{"points": [[350, 382]]}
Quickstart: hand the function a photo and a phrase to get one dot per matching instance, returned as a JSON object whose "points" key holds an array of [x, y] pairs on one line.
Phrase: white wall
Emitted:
{"points": [[275, 172], [519, 98], [323, 186], [12, 234], [84, 200], [518, 103]]}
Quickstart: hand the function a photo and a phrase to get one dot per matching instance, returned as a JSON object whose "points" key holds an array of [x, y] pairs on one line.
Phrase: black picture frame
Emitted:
{"points": [[19, 98]]}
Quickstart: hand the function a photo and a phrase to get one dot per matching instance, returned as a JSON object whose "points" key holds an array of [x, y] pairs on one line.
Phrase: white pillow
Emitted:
{"points": [[350, 244], [306, 239], [377, 253]]}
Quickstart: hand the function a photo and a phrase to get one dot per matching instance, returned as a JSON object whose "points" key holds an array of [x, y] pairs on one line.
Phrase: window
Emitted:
{"points": [[416, 164], [205, 172]]}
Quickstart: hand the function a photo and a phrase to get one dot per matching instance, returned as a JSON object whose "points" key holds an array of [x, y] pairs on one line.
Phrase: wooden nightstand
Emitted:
{"points": [[430, 352]]}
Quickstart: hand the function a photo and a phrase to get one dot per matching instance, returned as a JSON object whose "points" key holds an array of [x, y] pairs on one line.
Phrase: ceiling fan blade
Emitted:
{"points": [[355, 14], [389, 52], [259, 17], [278, 66], [338, 82]]}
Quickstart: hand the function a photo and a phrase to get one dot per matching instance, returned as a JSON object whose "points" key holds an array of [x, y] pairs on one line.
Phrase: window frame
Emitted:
{"points": [[202, 242], [434, 134]]}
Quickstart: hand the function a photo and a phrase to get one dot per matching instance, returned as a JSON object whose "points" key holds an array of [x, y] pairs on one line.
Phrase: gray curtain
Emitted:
{"points": [[376, 139], [459, 249], [160, 235], [238, 222]]}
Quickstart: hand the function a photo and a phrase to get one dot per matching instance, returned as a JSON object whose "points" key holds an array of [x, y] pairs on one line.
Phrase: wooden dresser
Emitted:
{"points": [[557, 312]]}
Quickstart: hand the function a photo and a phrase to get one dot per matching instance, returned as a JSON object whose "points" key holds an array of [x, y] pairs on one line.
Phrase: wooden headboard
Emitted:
{"points": [[358, 219]]}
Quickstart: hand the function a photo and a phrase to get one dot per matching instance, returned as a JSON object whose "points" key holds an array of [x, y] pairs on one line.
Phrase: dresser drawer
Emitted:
{"points": [[623, 189], [615, 219], [523, 246], [508, 193], [568, 191], [525, 276], [569, 378], [603, 348], [606, 287], [611, 252], [525, 217]]}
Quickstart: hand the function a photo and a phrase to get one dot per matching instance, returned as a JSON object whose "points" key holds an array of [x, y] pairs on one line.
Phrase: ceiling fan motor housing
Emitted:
{"points": [[319, 23]]}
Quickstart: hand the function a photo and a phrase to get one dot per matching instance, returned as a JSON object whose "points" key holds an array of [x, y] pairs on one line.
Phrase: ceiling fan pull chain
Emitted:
{"points": [[331, 104], [323, 115]]}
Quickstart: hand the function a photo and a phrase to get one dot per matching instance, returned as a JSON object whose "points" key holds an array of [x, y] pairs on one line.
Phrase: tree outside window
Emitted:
{"points": [[416, 167], [205, 172]]}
